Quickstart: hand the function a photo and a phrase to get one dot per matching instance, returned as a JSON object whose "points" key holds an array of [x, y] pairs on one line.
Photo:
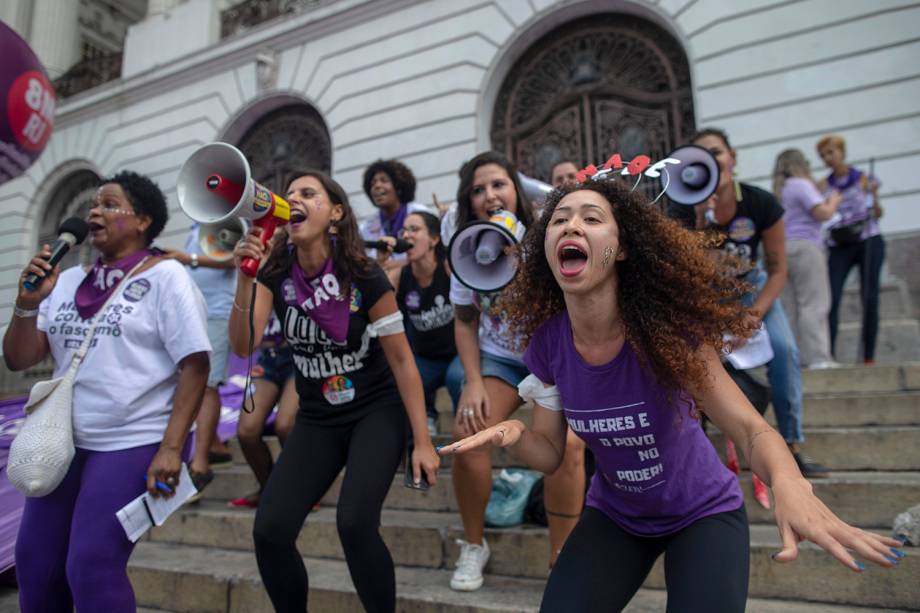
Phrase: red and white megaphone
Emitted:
{"points": [[695, 179], [478, 252], [215, 184]]}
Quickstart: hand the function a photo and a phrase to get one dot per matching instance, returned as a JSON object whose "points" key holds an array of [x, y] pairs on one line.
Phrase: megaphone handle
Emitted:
{"points": [[250, 266]]}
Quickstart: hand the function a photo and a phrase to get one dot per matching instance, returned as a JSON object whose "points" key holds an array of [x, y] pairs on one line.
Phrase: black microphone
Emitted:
{"points": [[401, 245], [72, 232]]}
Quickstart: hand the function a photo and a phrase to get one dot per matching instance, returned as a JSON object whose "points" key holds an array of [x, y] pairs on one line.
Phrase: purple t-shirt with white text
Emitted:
{"points": [[657, 472], [799, 197]]}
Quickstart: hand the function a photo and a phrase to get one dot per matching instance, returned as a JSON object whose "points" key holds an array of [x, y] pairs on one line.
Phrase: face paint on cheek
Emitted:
{"points": [[608, 253]]}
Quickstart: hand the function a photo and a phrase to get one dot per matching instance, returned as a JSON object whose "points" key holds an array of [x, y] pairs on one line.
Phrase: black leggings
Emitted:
{"points": [[868, 255], [601, 566], [313, 456]]}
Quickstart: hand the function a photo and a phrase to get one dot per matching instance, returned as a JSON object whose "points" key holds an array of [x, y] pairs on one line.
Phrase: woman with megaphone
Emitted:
{"points": [[134, 396], [491, 358], [623, 312], [356, 379]]}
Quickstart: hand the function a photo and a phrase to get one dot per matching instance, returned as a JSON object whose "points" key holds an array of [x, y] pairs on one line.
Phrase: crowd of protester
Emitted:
{"points": [[353, 344]]}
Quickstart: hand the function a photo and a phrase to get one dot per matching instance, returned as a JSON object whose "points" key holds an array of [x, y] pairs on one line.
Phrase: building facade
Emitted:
{"points": [[340, 83]]}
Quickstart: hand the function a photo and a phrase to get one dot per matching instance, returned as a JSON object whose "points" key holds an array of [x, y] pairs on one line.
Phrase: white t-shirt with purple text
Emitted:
{"points": [[124, 389], [656, 472]]}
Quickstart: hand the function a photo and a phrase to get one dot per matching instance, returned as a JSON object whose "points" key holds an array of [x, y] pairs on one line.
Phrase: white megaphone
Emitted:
{"points": [[217, 240], [695, 179], [215, 184], [477, 252], [535, 190]]}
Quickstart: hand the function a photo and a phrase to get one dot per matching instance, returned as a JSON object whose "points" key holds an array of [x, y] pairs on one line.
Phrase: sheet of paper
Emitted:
{"points": [[143, 512], [757, 351]]}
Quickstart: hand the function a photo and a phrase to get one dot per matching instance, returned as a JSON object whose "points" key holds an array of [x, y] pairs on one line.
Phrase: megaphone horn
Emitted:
{"points": [[535, 190], [695, 180], [217, 240], [215, 184], [477, 252]]}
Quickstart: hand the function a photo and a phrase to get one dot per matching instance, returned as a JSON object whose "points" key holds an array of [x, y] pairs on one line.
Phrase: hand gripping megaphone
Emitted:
{"points": [[217, 240], [477, 252], [535, 190], [215, 184], [695, 179]]}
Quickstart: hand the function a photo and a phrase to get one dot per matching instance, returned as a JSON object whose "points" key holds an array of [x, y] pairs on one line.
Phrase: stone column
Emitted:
{"points": [[55, 35]]}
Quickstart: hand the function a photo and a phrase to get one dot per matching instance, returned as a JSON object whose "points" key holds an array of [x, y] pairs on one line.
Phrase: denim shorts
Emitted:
{"points": [[277, 364], [510, 371], [220, 351]]}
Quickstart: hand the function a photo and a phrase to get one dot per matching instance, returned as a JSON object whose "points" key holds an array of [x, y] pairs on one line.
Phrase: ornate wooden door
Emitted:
{"points": [[597, 86], [290, 139]]}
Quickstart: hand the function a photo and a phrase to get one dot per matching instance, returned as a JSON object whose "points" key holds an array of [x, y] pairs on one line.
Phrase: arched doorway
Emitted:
{"points": [[285, 140], [599, 85], [72, 197]]}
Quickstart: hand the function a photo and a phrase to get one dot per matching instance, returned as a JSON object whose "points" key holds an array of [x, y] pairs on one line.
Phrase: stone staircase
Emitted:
{"points": [[862, 422], [898, 334]]}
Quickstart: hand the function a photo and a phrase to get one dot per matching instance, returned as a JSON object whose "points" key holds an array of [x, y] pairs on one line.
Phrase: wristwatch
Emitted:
{"points": [[193, 260]]}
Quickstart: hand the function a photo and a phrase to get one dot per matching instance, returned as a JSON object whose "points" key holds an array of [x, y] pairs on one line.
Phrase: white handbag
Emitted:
{"points": [[42, 451]]}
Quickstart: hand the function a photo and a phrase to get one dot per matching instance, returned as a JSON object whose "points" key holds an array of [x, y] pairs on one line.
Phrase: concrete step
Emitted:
{"points": [[894, 302], [426, 540], [858, 448], [866, 499], [853, 409], [894, 448], [228, 582], [898, 341], [877, 378]]}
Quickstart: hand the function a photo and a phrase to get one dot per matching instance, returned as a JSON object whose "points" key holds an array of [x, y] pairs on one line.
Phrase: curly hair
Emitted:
{"points": [[464, 191], [349, 260], [400, 175], [145, 197], [674, 296]]}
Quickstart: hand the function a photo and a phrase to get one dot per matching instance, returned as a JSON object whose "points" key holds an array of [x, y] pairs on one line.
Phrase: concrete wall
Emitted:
{"points": [[416, 79]]}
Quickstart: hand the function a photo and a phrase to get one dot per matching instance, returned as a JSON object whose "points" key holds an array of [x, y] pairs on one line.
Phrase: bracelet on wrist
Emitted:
{"points": [[239, 308], [24, 313]]}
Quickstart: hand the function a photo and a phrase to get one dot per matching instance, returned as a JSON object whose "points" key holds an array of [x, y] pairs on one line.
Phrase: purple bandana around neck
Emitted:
{"points": [[842, 184], [102, 280], [394, 224], [322, 299]]}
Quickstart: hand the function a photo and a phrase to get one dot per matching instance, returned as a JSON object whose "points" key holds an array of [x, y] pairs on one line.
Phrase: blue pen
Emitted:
{"points": [[161, 486]]}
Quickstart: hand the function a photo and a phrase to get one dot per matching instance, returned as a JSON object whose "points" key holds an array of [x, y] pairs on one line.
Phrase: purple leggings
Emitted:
{"points": [[71, 550]]}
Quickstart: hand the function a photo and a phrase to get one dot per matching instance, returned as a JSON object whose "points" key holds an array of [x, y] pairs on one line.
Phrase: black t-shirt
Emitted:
{"points": [[429, 315], [337, 383], [756, 211]]}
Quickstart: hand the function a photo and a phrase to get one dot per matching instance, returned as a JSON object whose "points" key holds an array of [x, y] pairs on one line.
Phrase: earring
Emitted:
{"points": [[333, 235], [608, 251]]}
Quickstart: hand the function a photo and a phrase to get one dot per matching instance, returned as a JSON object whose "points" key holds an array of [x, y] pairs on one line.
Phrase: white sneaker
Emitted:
{"points": [[473, 558], [824, 365], [432, 426]]}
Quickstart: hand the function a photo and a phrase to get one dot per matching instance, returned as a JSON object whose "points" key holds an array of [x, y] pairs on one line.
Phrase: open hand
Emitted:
{"points": [[504, 434], [801, 516]]}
